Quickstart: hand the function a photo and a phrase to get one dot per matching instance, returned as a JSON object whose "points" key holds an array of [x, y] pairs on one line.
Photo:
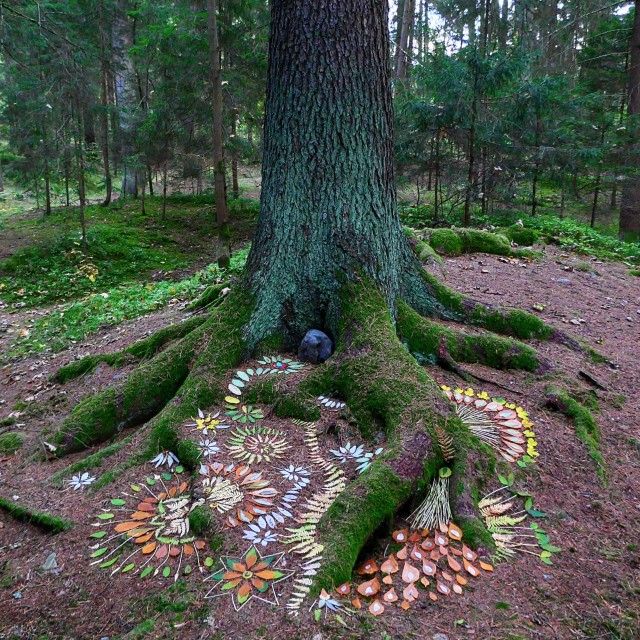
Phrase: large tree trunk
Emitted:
{"points": [[104, 102], [630, 201], [328, 195]]}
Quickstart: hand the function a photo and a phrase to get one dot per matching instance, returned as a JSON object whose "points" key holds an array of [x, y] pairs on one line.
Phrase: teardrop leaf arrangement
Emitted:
{"points": [[238, 492], [437, 564], [148, 531], [502, 425], [504, 521]]}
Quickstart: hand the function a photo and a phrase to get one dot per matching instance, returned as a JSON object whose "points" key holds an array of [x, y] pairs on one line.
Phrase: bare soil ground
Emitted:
{"points": [[591, 591]]}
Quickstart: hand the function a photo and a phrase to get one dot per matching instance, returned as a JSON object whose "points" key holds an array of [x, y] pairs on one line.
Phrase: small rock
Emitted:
{"points": [[439, 636], [563, 281], [315, 347], [17, 595]]}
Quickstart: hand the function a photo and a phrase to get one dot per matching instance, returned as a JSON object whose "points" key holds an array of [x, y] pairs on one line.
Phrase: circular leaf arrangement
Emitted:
{"points": [[503, 425], [237, 491], [148, 531], [256, 443]]}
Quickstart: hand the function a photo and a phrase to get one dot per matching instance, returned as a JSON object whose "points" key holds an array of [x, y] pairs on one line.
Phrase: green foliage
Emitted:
{"points": [[578, 237], [10, 442], [74, 321], [521, 236]]}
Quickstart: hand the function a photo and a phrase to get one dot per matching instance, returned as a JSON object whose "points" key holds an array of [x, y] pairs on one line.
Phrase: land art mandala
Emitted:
{"points": [[148, 531], [277, 506], [237, 492], [256, 443]]}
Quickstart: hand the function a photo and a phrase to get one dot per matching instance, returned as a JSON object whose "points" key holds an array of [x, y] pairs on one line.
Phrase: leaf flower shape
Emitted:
{"points": [[167, 459], [247, 577], [296, 474], [207, 423], [348, 452], [244, 413], [260, 533], [83, 480], [208, 447]]}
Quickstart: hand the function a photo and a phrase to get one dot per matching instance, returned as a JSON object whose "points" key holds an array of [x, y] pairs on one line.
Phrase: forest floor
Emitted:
{"points": [[592, 590]]}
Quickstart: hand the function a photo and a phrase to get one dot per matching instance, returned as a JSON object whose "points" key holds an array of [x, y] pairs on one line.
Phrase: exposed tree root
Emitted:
{"points": [[209, 297], [386, 391], [584, 423], [189, 372], [44, 521], [140, 350], [426, 337]]}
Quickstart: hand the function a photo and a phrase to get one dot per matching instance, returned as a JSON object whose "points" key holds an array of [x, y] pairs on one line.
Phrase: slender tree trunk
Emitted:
{"points": [[471, 172], [143, 209], [536, 168], [104, 113], [222, 216], [81, 182], [126, 96], [630, 200], [340, 195], [403, 40], [47, 187], [596, 192], [164, 190], [150, 177], [562, 192], [436, 208], [234, 155], [1, 175]]}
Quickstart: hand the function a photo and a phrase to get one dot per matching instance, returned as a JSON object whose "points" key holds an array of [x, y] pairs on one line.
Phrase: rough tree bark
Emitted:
{"points": [[630, 200]]}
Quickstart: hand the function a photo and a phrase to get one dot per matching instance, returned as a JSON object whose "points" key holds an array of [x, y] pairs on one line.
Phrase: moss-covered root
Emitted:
{"points": [[387, 391], [140, 350], [44, 521], [455, 242], [423, 250], [209, 296], [187, 370], [505, 320], [426, 336], [584, 423]]}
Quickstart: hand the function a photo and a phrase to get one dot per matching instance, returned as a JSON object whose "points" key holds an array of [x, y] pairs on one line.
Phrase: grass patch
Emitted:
{"points": [[74, 321], [10, 443]]}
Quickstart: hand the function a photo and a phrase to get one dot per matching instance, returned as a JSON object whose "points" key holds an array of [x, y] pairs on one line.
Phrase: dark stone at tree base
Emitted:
{"points": [[316, 347]]}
